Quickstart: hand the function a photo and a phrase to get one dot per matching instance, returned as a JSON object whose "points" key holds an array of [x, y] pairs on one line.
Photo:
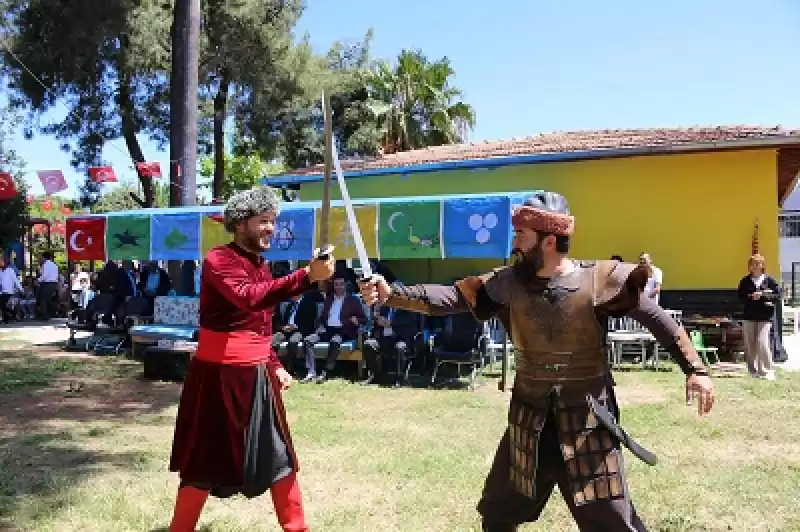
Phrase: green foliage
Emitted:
{"points": [[241, 172], [415, 103], [120, 198]]}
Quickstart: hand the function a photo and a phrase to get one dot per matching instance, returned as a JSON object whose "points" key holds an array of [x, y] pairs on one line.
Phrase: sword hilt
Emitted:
{"points": [[324, 253]]}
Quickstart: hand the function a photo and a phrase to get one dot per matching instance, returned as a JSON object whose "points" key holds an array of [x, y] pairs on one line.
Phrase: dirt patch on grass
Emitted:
{"points": [[639, 395], [84, 397]]}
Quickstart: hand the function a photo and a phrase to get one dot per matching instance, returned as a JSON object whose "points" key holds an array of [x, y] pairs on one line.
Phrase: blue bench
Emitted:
{"points": [[150, 334], [350, 351]]}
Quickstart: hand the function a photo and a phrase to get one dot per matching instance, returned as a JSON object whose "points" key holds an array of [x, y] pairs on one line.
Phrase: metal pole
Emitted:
{"points": [[503, 384]]}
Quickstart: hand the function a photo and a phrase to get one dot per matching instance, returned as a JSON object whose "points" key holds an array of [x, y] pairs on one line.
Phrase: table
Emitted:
{"points": [[167, 363], [643, 338]]}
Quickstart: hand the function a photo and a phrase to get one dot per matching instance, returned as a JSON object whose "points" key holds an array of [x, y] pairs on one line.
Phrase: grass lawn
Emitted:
{"points": [[84, 446]]}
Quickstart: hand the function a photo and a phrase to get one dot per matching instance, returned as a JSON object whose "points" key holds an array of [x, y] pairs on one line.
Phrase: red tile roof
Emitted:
{"points": [[566, 142]]}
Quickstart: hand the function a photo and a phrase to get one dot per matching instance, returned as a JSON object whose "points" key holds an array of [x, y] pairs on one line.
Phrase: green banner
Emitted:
{"points": [[128, 237], [410, 230]]}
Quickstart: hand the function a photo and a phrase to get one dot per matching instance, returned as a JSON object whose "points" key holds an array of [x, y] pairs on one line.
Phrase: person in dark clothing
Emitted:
{"points": [[393, 336], [759, 292], [123, 289], [292, 323]]}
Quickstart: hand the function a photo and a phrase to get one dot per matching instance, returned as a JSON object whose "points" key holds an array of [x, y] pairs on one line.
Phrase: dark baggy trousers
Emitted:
{"points": [[503, 508]]}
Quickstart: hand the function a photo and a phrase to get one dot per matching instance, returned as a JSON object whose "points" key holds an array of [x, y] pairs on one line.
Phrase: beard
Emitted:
{"points": [[528, 264], [254, 241]]}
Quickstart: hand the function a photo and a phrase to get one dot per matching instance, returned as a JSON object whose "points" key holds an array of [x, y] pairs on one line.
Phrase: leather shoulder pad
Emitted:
{"points": [[497, 284], [612, 277]]}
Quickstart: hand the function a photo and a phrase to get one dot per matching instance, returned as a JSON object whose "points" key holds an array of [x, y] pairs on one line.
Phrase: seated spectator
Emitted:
{"points": [[392, 336], [342, 314], [86, 293], [9, 287], [154, 281], [297, 321], [27, 300]]}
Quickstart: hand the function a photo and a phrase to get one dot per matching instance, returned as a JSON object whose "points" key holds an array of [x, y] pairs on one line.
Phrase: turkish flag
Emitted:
{"points": [[53, 181], [102, 174], [149, 169], [7, 187], [86, 238]]}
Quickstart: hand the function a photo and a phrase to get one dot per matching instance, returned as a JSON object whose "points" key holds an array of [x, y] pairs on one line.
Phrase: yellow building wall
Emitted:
{"points": [[693, 213]]}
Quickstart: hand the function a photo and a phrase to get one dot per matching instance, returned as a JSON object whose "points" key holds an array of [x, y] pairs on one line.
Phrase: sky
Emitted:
{"points": [[536, 66]]}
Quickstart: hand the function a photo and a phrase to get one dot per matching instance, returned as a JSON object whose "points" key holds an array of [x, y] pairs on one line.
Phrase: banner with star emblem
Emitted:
{"points": [[293, 238], [339, 231], [128, 237], [86, 238], [212, 234], [175, 237]]}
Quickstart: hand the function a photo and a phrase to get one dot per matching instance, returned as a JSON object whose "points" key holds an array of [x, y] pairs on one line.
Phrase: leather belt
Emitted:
{"points": [[558, 366]]}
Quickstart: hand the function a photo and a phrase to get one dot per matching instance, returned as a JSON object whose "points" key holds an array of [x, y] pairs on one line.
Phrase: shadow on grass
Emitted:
{"points": [[46, 446]]}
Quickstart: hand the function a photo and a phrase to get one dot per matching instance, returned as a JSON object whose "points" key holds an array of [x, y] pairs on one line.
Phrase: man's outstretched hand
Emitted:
{"points": [[375, 290], [701, 388]]}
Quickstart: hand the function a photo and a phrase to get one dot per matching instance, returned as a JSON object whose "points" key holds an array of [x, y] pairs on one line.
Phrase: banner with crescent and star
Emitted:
{"points": [[128, 237], [175, 237], [86, 238]]}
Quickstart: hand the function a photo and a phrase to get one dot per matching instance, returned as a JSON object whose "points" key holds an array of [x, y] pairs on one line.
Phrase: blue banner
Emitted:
{"points": [[175, 237], [477, 228], [293, 238]]}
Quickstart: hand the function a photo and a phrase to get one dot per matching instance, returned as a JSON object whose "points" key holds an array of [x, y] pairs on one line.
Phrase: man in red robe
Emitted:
{"points": [[231, 434]]}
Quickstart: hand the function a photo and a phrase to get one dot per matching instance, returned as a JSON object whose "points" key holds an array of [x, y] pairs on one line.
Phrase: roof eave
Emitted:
{"points": [[538, 158]]}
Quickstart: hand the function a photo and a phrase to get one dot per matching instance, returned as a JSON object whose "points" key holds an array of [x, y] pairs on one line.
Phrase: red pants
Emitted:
{"points": [[286, 498]]}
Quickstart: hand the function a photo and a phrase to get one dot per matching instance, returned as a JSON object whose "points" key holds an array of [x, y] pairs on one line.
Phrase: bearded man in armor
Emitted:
{"points": [[563, 420]]}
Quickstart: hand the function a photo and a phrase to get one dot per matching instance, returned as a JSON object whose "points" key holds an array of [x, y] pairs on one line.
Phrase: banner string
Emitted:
{"points": [[106, 142]]}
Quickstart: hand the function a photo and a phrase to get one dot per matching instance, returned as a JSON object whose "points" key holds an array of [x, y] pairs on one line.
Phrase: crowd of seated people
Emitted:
{"points": [[321, 320]]}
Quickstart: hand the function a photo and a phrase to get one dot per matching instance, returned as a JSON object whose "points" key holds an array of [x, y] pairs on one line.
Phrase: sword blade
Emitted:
{"points": [[325, 249], [361, 250]]}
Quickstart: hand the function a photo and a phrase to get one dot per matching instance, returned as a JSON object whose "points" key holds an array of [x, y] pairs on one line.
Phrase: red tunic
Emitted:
{"points": [[237, 299]]}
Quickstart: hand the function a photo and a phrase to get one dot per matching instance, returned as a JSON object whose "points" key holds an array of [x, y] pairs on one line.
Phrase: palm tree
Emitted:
{"points": [[415, 104]]}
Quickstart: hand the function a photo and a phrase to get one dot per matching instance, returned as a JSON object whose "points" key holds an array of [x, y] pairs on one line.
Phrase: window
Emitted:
{"points": [[789, 225]]}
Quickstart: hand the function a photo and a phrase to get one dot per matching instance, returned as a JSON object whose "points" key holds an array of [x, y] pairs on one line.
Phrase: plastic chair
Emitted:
{"points": [[699, 345]]}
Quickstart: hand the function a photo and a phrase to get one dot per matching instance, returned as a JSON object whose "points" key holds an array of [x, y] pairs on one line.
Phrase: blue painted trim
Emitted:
{"points": [[469, 164]]}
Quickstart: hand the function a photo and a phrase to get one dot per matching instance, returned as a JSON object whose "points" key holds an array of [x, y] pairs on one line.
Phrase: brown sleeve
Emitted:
{"points": [[619, 293], [482, 295], [430, 299]]}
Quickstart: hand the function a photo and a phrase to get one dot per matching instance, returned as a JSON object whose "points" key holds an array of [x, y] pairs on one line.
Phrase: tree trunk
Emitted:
{"points": [[129, 129], [220, 114]]}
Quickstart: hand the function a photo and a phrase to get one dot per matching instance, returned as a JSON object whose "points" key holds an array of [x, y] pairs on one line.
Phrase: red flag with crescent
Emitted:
{"points": [[149, 169], [7, 187], [102, 174], [86, 238]]}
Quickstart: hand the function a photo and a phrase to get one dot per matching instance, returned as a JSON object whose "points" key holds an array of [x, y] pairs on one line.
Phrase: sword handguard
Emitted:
{"points": [[324, 253]]}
